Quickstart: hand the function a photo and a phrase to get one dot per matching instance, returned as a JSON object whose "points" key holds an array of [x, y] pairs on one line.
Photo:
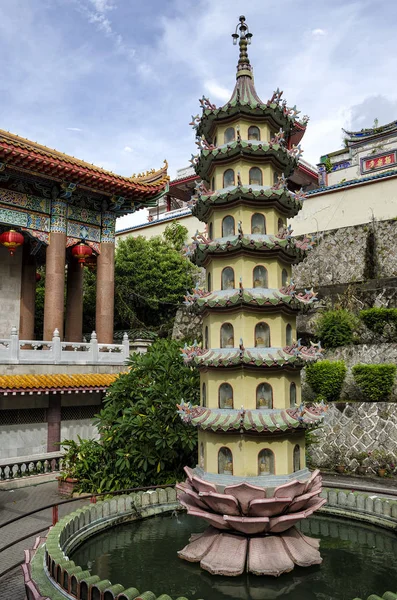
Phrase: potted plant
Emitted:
{"points": [[384, 463], [360, 457], [338, 460], [67, 481]]}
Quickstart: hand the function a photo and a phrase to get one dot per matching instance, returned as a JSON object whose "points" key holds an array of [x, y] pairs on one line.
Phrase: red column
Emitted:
{"points": [[54, 423], [105, 294]]}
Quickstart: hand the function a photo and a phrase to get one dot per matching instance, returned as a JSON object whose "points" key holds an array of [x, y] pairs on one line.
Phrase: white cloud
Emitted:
{"points": [[127, 149], [319, 32], [102, 6], [74, 129], [217, 91]]}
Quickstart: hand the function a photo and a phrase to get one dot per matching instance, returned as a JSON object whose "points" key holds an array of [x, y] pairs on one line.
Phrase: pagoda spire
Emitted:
{"points": [[244, 36]]}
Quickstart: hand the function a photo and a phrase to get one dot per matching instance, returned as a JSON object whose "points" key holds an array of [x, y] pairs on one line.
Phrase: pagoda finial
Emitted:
{"points": [[244, 36]]}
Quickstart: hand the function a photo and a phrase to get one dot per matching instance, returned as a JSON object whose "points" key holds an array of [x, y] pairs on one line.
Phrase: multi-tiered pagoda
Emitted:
{"points": [[251, 483]]}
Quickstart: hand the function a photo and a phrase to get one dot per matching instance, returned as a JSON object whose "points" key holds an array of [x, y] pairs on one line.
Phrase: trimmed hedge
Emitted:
{"points": [[326, 378], [336, 328], [377, 318], [375, 381]]}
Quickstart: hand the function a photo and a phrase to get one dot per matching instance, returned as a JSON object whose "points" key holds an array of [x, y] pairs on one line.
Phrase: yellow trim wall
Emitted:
{"points": [[265, 131], [244, 214], [243, 268]]}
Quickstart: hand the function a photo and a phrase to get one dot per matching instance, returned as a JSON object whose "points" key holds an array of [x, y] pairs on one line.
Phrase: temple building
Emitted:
{"points": [[58, 213], [251, 478]]}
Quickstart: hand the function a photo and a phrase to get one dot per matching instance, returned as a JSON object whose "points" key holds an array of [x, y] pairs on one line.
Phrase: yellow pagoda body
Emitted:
{"points": [[251, 482]]}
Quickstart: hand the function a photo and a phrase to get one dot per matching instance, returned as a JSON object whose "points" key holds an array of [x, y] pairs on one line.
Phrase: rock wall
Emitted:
{"points": [[187, 325], [355, 427]]}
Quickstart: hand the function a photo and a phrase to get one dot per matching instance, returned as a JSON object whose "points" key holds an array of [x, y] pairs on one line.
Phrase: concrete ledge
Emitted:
{"points": [[29, 480]]}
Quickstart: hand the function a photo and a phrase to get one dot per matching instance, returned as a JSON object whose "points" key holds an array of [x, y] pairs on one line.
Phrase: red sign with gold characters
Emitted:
{"points": [[382, 161]]}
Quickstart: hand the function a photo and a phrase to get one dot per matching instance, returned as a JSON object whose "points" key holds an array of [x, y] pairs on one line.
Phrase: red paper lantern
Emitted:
{"points": [[38, 277], [81, 252], [11, 240]]}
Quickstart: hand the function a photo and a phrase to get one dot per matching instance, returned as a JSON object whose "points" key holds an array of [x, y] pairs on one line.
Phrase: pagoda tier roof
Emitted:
{"points": [[261, 151], [26, 384], [281, 198], [293, 357], [287, 298], [24, 155], [289, 249], [252, 421]]}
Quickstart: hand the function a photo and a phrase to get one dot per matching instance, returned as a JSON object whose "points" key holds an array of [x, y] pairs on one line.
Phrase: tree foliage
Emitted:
{"points": [[326, 378], [176, 235], [375, 381], [336, 328], [143, 439]]}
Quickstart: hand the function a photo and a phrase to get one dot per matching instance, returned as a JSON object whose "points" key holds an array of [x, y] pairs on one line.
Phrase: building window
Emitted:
{"points": [[292, 395], [264, 396], [288, 335], [262, 335], [227, 278], [227, 335], [213, 184], [227, 226], [284, 278], [255, 176], [280, 224], [254, 133], [228, 178], [225, 396], [297, 458], [204, 395], [206, 337], [201, 458], [225, 461], [209, 283], [260, 277], [275, 177], [211, 231], [230, 135], [266, 462], [258, 223]]}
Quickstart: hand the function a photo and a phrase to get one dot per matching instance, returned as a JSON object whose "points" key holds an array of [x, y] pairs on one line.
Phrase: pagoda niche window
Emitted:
{"points": [[266, 462], [284, 278], [209, 283], [228, 227], [292, 395], [204, 395], [227, 335], [254, 133], [260, 277], [206, 337], [225, 461], [202, 455], [262, 335], [264, 396], [258, 223], [211, 231], [225, 396], [213, 184], [297, 458], [228, 178], [280, 224], [230, 135], [227, 278], [255, 176], [288, 335]]}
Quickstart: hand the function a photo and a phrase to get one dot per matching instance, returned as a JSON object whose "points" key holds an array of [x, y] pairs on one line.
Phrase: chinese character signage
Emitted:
{"points": [[379, 161]]}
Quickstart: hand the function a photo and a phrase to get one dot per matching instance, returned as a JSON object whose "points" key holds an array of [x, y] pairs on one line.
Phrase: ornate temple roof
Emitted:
{"points": [[286, 297], [290, 249], [255, 421], [356, 136], [20, 384], [295, 356], [29, 156], [281, 198]]}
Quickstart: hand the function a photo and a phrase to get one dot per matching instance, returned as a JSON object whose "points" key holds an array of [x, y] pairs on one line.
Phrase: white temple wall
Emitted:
{"points": [[23, 439], [70, 430]]}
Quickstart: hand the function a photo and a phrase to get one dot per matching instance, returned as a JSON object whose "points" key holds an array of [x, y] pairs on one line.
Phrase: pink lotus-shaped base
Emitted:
{"points": [[244, 522]]}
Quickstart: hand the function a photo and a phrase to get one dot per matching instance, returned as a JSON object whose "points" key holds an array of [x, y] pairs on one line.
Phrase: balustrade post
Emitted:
{"points": [[56, 348], [126, 346], [14, 344], [94, 348]]}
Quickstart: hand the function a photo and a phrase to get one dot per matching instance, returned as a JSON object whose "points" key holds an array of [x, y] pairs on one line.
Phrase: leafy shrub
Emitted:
{"points": [[326, 378], [143, 439], [376, 319], [375, 381], [336, 328]]}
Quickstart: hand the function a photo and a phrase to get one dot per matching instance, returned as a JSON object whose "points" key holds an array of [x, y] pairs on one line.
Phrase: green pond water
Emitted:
{"points": [[357, 560]]}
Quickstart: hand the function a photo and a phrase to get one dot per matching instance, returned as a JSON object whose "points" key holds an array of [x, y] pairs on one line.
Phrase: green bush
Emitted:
{"points": [[326, 378], [377, 318], [336, 328], [375, 381]]}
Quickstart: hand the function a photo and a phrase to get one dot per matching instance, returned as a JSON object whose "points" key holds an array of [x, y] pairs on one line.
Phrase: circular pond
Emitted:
{"points": [[357, 560]]}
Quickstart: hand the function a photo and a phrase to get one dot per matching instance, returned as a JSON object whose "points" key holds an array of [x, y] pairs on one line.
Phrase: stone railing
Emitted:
{"points": [[16, 351], [25, 466], [49, 573], [363, 506]]}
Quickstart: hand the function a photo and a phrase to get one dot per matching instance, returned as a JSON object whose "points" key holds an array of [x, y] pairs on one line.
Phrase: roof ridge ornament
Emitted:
{"points": [[244, 36]]}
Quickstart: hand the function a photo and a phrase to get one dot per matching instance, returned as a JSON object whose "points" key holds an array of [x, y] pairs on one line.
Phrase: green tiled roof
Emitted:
{"points": [[253, 297], [254, 357], [255, 194], [250, 148]]}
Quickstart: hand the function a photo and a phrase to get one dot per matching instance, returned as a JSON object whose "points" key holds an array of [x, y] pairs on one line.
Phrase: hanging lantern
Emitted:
{"points": [[81, 252], [38, 277], [11, 240]]}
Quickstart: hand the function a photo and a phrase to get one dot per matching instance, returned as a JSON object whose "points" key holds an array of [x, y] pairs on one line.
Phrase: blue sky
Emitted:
{"points": [[115, 82]]}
